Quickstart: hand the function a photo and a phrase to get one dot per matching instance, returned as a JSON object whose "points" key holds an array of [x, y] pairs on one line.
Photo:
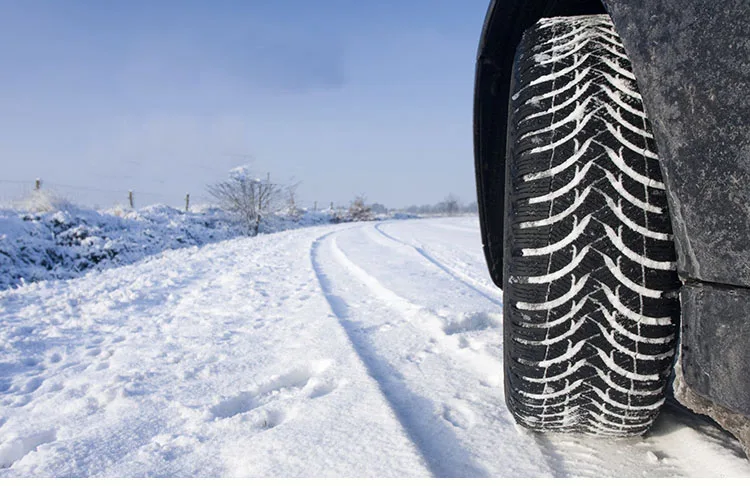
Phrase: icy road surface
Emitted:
{"points": [[368, 349]]}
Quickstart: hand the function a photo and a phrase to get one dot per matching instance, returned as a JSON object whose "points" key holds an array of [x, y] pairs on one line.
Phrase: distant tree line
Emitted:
{"points": [[450, 206]]}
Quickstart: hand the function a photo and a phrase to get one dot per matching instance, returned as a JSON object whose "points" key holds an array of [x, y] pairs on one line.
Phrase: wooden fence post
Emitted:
{"points": [[130, 198], [187, 202], [38, 184]]}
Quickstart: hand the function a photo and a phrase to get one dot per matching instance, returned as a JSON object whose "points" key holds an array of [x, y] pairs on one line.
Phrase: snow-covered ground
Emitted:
{"points": [[364, 349]]}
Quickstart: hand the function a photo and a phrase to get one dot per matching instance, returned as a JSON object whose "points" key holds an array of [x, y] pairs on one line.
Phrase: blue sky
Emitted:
{"points": [[163, 96]]}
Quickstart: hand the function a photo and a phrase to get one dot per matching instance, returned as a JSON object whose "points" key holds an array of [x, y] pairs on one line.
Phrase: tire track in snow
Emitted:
{"points": [[442, 459], [491, 440], [553, 458], [435, 325], [455, 274]]}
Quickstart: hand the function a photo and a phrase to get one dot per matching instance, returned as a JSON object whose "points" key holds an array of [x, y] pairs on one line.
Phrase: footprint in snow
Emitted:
{"points": [[55, 387], [32, 385], [458, 414], [321, 388], [289, 387], [274, 418]]}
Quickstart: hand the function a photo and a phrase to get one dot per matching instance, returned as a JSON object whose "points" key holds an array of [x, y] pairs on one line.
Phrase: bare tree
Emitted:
{"points": [[359, 210], [251, 199], [450, 205]]}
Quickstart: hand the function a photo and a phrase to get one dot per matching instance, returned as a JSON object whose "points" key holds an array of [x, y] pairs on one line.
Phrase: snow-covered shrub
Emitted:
{"points": [[38, 246], [359, 211]]}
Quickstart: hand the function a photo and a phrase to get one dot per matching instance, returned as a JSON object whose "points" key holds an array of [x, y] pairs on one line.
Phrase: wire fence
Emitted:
{"points": [[13, 193]]}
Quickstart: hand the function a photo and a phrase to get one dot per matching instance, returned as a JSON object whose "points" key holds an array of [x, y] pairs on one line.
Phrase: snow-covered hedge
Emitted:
{"points": [[69, 241]]}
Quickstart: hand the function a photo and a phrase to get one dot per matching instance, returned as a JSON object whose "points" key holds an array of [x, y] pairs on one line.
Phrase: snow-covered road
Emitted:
{"points": [[369, 349]]}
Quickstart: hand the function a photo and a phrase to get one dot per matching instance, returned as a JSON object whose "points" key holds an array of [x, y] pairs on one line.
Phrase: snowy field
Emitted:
{"points": [[364, 349]]}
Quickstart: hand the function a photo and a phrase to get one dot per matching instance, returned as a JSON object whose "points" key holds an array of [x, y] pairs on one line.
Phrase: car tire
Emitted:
{"points": [[590, 286]]}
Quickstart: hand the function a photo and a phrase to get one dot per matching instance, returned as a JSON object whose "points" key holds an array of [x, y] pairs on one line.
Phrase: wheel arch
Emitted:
{"points": [[505, 23]]}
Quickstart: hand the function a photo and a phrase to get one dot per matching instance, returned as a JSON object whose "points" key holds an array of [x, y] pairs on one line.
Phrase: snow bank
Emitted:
{"points": [[66, 241]]}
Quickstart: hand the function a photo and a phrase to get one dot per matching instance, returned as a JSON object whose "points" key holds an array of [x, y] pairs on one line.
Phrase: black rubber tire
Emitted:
{"points": [[590, 299]]}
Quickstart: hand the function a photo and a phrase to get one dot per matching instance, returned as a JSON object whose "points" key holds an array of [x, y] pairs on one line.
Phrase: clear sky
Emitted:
{"points": [[163, 96]]}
